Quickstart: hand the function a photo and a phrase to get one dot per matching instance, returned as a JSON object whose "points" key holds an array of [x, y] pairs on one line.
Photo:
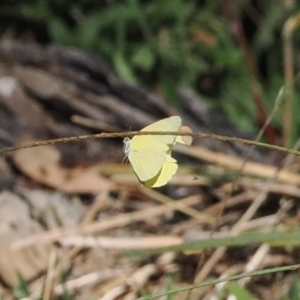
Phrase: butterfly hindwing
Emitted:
{"points": [[167, 171], [147, 156]]}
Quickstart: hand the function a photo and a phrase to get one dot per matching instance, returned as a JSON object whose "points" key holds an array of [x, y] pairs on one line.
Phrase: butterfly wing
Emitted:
{"points": [[167, 171], [184, 139], [150, 155], [169, 124], [146, 156]]}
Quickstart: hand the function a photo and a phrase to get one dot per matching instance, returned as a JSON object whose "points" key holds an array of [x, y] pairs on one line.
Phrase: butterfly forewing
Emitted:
{"points": [[169, 124]]}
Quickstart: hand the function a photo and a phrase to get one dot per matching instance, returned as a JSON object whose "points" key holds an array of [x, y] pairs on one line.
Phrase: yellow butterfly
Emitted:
{"points": [[150, 155]]}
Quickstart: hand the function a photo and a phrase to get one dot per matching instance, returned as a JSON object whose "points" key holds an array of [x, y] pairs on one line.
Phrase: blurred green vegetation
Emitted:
{"points": [[230, 52]]}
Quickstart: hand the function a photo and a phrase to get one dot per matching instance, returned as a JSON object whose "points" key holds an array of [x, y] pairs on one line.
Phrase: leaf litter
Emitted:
{"points": [[68, 212]]}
